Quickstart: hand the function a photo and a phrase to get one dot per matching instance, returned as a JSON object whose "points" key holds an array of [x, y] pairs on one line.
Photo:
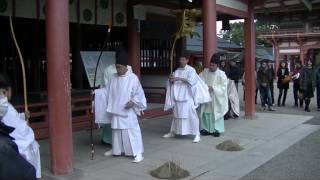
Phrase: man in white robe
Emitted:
{"points": [[23, 134], [185, 91], [125, 100], [100, 102], [212, 113]]}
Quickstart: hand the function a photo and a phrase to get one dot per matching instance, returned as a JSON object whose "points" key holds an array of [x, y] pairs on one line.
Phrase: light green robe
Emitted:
{"points": [[212, 114]]}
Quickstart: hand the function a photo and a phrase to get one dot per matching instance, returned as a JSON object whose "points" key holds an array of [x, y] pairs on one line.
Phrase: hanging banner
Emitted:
{"points": [[90, 58]]}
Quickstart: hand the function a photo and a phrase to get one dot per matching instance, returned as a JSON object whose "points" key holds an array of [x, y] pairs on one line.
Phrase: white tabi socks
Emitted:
{"points": [[169, 135], [196, 139], [138, 158]]}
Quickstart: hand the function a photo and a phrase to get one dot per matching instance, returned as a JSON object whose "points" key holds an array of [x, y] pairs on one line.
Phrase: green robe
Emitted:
{"points": [[107, 134], [212, 114]]}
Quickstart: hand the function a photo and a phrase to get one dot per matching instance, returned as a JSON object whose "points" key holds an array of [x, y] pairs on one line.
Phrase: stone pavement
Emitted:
{"points": [[263, 138]]}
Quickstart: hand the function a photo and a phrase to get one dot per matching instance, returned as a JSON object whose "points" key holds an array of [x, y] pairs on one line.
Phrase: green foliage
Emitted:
{"points": [[236, 34], [186, 21]]}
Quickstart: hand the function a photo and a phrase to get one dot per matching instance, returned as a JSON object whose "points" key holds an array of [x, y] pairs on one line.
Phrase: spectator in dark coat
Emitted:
{"points": [[283, 85], [264, 78], [273, 75], [234, 73], [296, 76], [12, 165], [318, 87], [308, 83]]}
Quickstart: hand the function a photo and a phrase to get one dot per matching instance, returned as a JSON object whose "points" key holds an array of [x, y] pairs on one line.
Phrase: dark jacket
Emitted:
{"points": [[296, 81], [225, 69], [308, 81], [281, 74], [318, 77], [12, 165], [234, 73], [264, 76]]}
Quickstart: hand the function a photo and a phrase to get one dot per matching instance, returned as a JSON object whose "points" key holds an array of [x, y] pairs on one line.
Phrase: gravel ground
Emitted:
{"points": [[300, 161]]}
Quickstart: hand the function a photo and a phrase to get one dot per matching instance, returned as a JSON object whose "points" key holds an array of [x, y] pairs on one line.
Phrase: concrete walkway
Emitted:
{"points": [[263, 138]]}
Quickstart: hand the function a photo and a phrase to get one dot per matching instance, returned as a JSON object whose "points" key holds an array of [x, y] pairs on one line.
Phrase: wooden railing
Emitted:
{"points": [[283, 31], [155, 94], [81, 112], [81, 116]]}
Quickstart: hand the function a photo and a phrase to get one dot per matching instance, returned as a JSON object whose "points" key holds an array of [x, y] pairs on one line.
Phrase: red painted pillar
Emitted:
{"points": [[277, 57], [209, 16], [302, 54], [250, 77], [133, 42], [59, 96]]}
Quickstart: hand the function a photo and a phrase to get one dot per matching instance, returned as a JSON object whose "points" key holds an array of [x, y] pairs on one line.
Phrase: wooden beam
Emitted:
{"points": [[308, 4]]}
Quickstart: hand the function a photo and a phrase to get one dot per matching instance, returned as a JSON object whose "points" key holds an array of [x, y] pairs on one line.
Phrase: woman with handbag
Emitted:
{"points": [[283, 82], [308, 83]]}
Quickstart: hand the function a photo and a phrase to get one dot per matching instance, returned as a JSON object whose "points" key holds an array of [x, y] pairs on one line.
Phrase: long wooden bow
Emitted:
{"points": [[23, 69], [94, 84]]}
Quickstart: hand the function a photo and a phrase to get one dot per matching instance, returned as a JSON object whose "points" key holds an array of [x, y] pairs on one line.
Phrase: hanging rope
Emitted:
{"points": [[22, 68]]}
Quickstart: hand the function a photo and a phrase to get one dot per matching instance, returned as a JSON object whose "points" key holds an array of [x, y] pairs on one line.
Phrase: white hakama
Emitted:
{"points": [[127, 141], [23, 135], [187, 124]]}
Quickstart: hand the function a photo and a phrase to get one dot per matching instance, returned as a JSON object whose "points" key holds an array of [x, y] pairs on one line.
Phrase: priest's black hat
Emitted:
{"points": [[4, 82], [122, 56], [215, 58]]}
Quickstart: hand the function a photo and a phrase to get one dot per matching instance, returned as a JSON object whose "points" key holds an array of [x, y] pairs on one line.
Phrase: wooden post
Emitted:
{"points": [[209, 15], [59, 96], [133, 42], [250, 77]]}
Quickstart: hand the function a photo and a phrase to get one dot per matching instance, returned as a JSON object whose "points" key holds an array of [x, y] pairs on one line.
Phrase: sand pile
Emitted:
{"points": [[229, 145], [169, 170]]}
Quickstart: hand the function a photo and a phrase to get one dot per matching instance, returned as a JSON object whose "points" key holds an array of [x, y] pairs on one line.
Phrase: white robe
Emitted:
{"points": [[126, 133], [184, 98], [23, 135], [219, 82], [100, 96], [233, 98]]}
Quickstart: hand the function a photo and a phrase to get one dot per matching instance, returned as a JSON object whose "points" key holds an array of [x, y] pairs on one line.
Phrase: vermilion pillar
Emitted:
{"points": [[209, 16], [133, 43], [250, 77], [301, 54], [277, 56], [59, 97]]}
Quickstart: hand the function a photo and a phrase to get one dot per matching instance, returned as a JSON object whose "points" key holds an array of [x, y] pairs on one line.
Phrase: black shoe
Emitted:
{"points": [[204, 132], [216, 134]]}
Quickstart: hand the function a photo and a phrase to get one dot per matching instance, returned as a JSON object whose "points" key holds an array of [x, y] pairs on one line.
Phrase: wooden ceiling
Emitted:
{"points": [[272, 6]]}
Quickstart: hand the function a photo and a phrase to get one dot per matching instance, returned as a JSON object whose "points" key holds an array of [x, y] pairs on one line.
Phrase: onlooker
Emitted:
{"points": [[273, 75], [308, 83], [234, 73], [318, 87], [264, 78], [283, 82], [296, 84], [223, 67]]}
